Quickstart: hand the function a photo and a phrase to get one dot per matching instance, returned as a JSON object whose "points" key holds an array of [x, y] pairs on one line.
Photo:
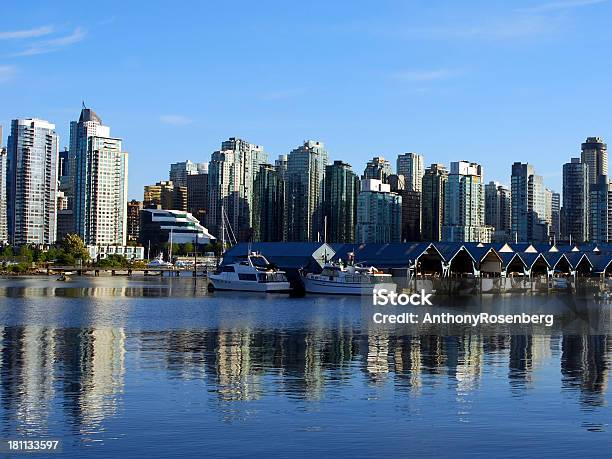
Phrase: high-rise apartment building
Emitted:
{"points": [[197, 194], [576, 200], [379, 213], [464, 204], [231, 174], [304, 191], [555, 215], [432, 202], [412, 167], [181, 170], [267, 205], [341, 188], [133, 220], [595, 155], [3, 176], [411, 208], [100, 180], [498, 210], [32, 156], [528, 205], [600, 211], [378, 168]]}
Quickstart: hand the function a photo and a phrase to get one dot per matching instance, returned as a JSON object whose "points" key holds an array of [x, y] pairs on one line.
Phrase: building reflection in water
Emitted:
{"points": [[85, 368]]}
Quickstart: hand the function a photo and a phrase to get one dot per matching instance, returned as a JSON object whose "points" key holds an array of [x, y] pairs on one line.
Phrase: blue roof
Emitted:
{"points": [[600, 262], [392, 255], [283, 254], [575, 257], [530, 258], [552, 258], [507, 257]]}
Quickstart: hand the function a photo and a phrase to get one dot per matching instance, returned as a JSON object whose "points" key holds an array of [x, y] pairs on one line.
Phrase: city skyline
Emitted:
{"points": [[432, 89]]}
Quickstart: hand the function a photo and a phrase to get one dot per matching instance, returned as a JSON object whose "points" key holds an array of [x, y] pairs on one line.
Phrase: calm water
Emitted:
{"points": [[159, 368]]}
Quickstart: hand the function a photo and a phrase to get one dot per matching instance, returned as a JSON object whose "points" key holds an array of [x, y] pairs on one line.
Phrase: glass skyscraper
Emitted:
{"points": [[341, 188], [231, 174], [432, 218], [32, 182], [305, 181], [576, 200], [464, 204]]}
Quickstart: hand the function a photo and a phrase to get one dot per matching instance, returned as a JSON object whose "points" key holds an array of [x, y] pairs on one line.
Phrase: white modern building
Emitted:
{"points": [[100, 182], [379, 213], [32, 182], [99, 252]]}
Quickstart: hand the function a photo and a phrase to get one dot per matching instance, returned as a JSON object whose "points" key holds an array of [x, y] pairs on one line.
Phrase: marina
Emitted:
{"points": [[132, 366]]}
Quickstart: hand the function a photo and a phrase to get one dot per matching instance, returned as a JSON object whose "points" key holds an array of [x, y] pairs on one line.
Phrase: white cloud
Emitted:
{"points": [[175, 120], [55, 44], [425, 75], [28, 33], [558, 6], [7, 72]]}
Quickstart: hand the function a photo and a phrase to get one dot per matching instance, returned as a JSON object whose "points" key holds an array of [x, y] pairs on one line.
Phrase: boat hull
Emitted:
{"points": [[344, 288], [250, 286]]}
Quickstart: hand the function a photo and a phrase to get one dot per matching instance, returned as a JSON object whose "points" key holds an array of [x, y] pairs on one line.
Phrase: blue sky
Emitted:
{"points": [[491, 82]]}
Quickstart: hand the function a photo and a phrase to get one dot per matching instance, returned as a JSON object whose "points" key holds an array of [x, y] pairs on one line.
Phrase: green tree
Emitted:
{"points": [[73, 249], [26, 254]]}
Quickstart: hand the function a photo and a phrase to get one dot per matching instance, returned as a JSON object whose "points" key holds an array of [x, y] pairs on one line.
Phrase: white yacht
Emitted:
{"points": [[348, 280], [254, 273], [159, 262]]}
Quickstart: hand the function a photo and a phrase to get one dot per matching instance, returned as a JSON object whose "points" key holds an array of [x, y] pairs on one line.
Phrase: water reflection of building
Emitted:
{"points": [[235, 379], [584, 365], [27, 374], [93, 364], [377, 360]]}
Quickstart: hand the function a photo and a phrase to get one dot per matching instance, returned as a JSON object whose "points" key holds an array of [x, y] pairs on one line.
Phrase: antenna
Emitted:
{"points": [[83, 103]]}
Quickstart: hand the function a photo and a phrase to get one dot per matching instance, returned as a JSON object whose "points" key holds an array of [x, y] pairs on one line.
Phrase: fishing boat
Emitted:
{"points": [[339, 279], [254, 273]]}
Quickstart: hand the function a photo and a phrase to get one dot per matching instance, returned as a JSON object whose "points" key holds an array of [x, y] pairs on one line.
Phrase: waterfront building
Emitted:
{"points": [[411, 166], [304, 192], [267, 207], [432, 218], [464, 204], [528, 205], [231, 174], [377, 168], [100, 181], [130, 252], [379, 213], [498, 210], [32, 157], [341, 189], [595, 154], [575, 200], [181, 170], [133, 220], [88, 125], [411, 208], [197, 194], [600, 211], [158, 226], [3, 176]]}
